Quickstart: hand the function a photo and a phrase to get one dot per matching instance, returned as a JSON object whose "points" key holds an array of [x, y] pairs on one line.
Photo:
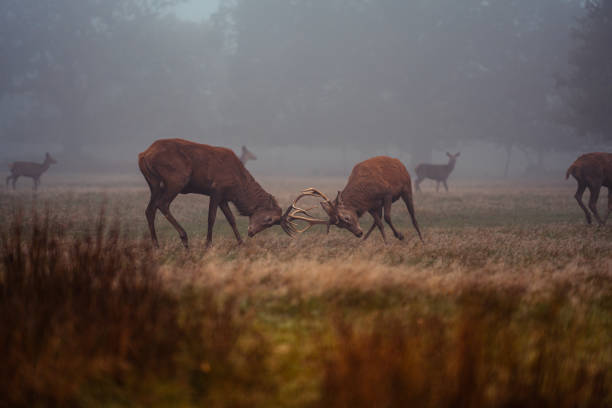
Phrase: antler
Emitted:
{"points": [[296, 213]]}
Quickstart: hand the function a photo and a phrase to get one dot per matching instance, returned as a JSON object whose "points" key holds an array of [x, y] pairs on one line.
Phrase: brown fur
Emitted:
{"points": [[592, 170], [372, 187], [176, 166], [437, 172], [29, 169]]}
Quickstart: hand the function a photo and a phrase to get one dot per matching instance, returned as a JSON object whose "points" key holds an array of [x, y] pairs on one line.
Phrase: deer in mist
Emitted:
{"points": [[437, 172], [372, 187], [29, 169], [592, 170], [176, 166], [246, 155]]}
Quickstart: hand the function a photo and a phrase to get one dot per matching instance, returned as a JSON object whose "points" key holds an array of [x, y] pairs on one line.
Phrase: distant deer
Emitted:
{"points": [[372, 187], [29, 169], [437, 172], [176, 166], [246, 155], [592, 170]]}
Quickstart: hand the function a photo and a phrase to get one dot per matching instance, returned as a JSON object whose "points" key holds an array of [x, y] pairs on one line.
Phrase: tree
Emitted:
{"points": [[413, 75], [96, 72], [589, 84]]}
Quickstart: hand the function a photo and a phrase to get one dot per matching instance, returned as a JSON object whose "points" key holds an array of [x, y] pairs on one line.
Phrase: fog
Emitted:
{"points": [[310, 86]]}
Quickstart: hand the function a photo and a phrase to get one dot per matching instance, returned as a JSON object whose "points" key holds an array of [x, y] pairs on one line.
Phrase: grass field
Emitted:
{"points": [[508, 303]]}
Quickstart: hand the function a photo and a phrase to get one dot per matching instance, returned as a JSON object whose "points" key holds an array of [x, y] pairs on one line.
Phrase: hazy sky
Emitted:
{"points": [[197, 9]]}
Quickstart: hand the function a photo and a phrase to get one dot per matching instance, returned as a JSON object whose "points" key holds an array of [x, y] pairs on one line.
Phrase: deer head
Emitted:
{"points": [[264, 218], [342, 216], [453, 157], [49, 159], [247, 154], [339, 214]]}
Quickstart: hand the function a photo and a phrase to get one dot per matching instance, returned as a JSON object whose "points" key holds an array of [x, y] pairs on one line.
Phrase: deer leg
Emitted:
{"points": [[150, 214], [387, 207], [164, 206], [36, 181], [15, 181], [373, 224], [417, 184], [8, 179], [593, 202], [578, 196], [212, 215], [445, 186], [609, 204], [407, 197], [230, 218], [379, 224]]}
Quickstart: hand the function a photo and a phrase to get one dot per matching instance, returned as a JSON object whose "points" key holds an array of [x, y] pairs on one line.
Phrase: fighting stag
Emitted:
{"points": [[176, 166], [592, 170], [372, 187], [29, 169], [437, 172]]}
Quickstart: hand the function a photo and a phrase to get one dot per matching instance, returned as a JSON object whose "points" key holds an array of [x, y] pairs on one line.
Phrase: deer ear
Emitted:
{"points": [[328, 207], [331, 212], [339, 198], [458, 153], [448, 154]]}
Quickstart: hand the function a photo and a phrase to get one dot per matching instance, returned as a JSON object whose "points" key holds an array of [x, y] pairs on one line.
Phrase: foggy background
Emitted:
{"points": [[520, 87]]}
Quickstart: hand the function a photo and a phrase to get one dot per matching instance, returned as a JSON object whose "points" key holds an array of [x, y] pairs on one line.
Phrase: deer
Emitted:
{"points": [[177, 166], [592, 170], [437, 172], [246, 155], [372, 187], [29, 169]]}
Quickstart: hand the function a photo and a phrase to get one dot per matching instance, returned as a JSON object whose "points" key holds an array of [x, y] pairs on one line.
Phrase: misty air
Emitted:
{"points": [[306, 203]]}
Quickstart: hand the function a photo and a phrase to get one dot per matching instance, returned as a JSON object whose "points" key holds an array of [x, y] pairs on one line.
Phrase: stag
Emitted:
{"points": [[29, 169], [437, 172], [372, 187], [246, 155], [176, 166], [592, 170]]}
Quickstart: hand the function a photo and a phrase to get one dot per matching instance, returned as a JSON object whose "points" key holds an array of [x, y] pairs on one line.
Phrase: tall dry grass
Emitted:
{"points": [[490, 352], [89, 319], [508, 303]]}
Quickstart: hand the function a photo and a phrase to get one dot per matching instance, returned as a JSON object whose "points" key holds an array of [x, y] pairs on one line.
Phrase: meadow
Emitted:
{"points": [[507, 303]]}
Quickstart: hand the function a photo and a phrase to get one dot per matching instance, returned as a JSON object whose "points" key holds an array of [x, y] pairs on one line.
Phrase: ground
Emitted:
{"points": [[511, 291]]}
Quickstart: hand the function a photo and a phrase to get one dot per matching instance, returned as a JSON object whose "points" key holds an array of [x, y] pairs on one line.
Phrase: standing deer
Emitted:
{"points": [[246, 155], [29, 169], [372, 187], [176, 166], [437, 172], [592, 170]]}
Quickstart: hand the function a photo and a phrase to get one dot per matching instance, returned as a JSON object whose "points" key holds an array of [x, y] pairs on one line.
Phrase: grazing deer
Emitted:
{"points": [[372, 187], [29, 169], [438, 172], [592, 170], [246, 155], [176, 166]]}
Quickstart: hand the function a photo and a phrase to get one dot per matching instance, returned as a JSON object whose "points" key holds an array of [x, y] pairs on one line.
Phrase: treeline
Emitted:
{"points": [[413, 76]]}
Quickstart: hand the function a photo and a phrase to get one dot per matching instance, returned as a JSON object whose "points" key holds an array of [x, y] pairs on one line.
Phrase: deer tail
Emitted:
{"points": [[148, 172], [571, 171]]}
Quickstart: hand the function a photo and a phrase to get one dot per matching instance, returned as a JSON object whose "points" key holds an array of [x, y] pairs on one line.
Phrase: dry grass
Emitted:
{"points": [[508, 303]]}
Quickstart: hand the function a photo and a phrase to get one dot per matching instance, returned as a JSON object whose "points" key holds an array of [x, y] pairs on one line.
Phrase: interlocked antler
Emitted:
{"points": [[296, 213]]}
